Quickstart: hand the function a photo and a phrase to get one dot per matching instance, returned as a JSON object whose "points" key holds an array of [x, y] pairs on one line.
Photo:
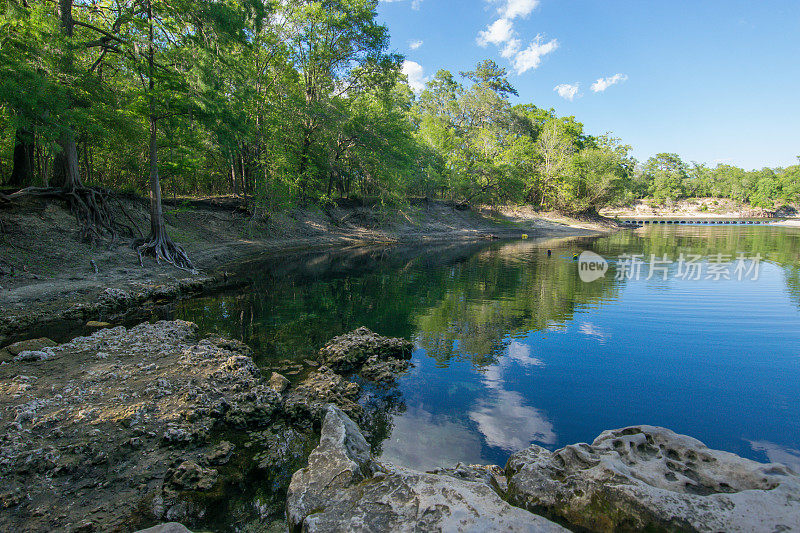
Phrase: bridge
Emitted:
{"points": [[693, 221]]}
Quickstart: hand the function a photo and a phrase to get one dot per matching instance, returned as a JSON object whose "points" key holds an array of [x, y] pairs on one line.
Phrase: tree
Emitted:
{"points": [[556, 149], [171, 42], [666, 174], [339, 49], [488, 75], [599, 175]]}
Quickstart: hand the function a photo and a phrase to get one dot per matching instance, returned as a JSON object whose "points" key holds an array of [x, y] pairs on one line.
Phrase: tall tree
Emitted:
{"points": [[340, 50], [66, 172]]}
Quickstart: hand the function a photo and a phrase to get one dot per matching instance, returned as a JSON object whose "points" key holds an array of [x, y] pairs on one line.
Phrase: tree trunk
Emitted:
{"points": [[66, 173], [22, 172], [157, 228], [158, 244], [304, 160]]}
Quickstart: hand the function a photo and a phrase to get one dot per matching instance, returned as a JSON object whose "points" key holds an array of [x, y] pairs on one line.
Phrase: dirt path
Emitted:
{"points": [[47, 275]]}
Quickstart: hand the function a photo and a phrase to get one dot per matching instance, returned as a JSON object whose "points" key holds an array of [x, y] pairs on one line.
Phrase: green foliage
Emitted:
{"points": [[301, 100]]}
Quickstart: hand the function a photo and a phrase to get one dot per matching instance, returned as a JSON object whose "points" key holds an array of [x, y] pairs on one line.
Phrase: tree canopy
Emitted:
{"points": [[296, 101]]}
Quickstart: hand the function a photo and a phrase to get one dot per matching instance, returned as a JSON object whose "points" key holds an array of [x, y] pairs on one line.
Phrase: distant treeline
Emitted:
{"points": [[295, 101]]}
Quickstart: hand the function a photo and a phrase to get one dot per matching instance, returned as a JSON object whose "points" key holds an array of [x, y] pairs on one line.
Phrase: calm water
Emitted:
{"points": [[513, 348]]}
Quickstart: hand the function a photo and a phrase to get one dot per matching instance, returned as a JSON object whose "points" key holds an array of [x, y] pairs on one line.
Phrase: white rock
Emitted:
{"points": [[344, 489], [647, 477]]}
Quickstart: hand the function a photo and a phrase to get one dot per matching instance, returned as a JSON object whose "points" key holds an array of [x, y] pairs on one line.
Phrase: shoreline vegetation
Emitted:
{"points": [[710, 207], [48, 275], [290, 105]]}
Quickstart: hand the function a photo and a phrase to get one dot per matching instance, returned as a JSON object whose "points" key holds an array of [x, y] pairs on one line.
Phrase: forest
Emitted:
{"points": [[293, 102]]}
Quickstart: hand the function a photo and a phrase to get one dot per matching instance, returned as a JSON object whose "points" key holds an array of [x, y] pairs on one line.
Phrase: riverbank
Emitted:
{"points": [[48, 275], [702, 208]]}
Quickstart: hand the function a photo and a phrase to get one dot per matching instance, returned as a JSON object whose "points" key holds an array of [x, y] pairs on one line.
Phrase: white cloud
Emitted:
{"points": [[506, 422], [521, 353], [531, 57], [567, 91], [511, 48], [518, 8], [414, 3], [589, 329], [414, 44], [604, 83], [415, 74], [501, 33], [503, 418], [498, 32]]}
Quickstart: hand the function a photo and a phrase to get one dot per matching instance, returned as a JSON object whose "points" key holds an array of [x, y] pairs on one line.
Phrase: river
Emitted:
{"points": [[693, 328]]}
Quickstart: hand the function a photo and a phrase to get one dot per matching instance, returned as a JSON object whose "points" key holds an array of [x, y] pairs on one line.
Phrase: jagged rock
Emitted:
{"points": [[280, 445], [312, 395], [169, 527], [221, 454], [344, 489], [649, 478], [191, 476], [349, 351], [278, 382], [34, 355], [112, 412], [491, 475], [384, 371]]}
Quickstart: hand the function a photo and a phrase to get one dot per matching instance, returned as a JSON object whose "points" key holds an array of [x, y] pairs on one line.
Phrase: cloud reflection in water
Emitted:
{"points": [[503, 418]]}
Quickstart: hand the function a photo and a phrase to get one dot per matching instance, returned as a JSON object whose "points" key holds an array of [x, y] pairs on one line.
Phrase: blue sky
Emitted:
{"points": [[712, 80]]}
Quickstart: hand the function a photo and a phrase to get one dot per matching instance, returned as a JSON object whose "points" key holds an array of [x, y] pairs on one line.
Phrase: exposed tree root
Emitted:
{"points": [[162, 248], [90, 207]]}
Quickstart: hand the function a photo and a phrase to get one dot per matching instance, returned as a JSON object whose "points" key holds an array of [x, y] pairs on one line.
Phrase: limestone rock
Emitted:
{"points": [[280, 446], [490, 475], [649, 478], [191, 476], [118, 412], [169, 527], [33, 345], [278, 382], [344, 489], [383, 371], [312, 395], [349, 351], [34, 355], [221, 454]]}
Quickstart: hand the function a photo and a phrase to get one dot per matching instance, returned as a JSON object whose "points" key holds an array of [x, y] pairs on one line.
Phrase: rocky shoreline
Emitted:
{"points": [[132, 428]]}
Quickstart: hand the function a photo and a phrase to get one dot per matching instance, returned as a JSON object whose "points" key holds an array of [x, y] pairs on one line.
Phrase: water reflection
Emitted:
{"points": [[513, 348], [423, 441], [778, 454]]}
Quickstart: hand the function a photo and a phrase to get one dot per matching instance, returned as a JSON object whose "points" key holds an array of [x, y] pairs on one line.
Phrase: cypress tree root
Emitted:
{"points": [[90, 207], [159, 245]]}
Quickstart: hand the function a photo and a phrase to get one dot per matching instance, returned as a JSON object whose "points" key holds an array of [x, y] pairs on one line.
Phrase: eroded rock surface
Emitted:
{"points": [[353, 350], [310, 398], [649, 478], [169, 527], [107, 423], [344, 489]]}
